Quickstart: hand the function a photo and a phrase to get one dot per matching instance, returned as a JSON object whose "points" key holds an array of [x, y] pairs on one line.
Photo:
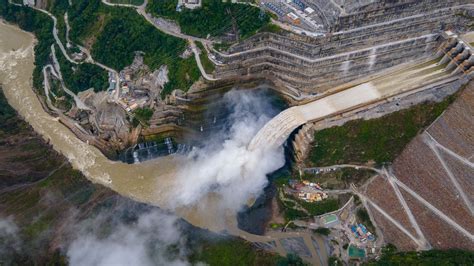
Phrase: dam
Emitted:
{"points": [[454, 59], [154, 181], [325, 78]]}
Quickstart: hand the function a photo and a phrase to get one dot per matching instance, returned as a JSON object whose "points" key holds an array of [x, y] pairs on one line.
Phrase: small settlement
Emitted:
{"points": [[138, 87], [355, 241], [307, 191]]}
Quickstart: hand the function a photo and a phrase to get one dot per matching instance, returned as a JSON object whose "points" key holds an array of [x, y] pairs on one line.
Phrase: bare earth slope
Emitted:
{"points": [[435, 177]]}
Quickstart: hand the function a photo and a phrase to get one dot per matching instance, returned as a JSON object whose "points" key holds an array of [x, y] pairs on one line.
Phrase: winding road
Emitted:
{"points": [[66, 55], [190, 39]]}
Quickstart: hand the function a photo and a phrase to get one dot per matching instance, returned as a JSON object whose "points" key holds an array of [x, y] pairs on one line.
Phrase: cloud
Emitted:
{"points": [[154, 239], [10, 243], [230, 170]]}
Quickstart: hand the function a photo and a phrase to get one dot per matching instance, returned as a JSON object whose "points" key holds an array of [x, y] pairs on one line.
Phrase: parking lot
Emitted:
{"points": [[298, 14]]}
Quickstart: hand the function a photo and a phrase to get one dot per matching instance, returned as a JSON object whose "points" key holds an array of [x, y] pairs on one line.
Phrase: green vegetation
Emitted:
{"points": [[291, 260], [426, 258], [320, 207], [58, 8], [80, 78], [334, 261], [340, 178], [115, 34], [143, 114], [83, 76], [379, 140], [234, 252], [282, 180], [58, 96], [357, 200], [223, 46], [322, 231], [206, 62], [129, 2], [181, 76], [364, 218], [291, 214], [271, 28], [289, 206], [214, 18], [7, 113]]}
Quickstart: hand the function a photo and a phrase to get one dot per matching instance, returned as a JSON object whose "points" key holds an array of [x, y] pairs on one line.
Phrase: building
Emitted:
{"points": [[312, 197], [309, 10], [29, 2], [294, 18], [190, 4]]}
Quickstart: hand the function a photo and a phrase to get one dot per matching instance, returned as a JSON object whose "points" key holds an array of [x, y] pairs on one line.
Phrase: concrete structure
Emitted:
{"points": [[372, 38], [329, 220], [191, 4], [453, 64]]}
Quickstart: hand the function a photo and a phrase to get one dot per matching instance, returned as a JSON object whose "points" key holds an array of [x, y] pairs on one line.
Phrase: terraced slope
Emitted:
{"points": [[434, 176]]}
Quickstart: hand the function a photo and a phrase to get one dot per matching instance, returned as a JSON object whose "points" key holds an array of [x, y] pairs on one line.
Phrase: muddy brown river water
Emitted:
{"points": [[151, 182]]}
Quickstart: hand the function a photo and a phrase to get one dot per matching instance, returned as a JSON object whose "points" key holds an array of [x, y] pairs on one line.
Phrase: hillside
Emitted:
{"points": [[45, 204]]}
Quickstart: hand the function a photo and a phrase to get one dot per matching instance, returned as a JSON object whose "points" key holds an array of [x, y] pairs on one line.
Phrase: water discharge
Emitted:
{"points": [[198, 187], [208, 186]]}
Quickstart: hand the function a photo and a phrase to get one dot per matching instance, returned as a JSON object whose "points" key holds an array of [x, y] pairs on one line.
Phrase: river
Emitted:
{"points": [[151, 182]]}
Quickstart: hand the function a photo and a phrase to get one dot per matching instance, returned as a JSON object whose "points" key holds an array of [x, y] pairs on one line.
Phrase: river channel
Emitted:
{"points": [[152, 181]]}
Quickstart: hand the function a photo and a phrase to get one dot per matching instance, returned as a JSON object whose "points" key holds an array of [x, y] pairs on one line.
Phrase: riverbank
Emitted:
{"points": [[46, 202], [151, 182]]}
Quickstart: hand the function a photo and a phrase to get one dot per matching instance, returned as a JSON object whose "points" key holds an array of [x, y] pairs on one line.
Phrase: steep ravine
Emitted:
{"points": [[45, 199]]}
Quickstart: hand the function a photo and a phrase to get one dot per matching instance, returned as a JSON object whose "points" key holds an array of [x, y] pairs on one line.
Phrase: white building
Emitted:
{"points": [[29, 2], [191, 4]]}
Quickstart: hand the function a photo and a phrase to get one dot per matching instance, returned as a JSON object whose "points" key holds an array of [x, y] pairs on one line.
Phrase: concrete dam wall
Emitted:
{"points": [[455, 61], [315, 65]]}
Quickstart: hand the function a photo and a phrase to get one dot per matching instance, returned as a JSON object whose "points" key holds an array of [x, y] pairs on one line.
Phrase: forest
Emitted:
{"points": [[116, 33], [113, 33], [214, 18], [82, 76]]}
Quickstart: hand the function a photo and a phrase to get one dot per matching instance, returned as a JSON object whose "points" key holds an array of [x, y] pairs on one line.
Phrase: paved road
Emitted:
{"points": [[47, 89], [435, 210], [191, 39], [199, 63], [89, 57], [422, 239], [414, 78], [433, 144], [401, 19], [339, 166], [313, 60], [79, 103], [452, 153], [387, 216]]}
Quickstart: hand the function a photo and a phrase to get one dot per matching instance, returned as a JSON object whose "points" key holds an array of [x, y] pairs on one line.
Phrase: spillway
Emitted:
{"points": [[408, 80], [154, 181]]}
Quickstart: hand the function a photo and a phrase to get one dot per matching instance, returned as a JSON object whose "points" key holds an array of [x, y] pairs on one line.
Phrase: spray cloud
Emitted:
{"points": [[229, 169], [146, 242]]}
